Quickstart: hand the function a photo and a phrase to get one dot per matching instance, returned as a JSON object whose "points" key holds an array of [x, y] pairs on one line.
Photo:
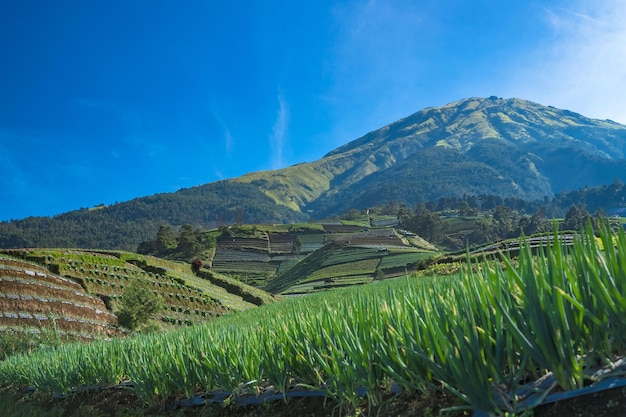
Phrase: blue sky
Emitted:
{"points": [[104, 101]]}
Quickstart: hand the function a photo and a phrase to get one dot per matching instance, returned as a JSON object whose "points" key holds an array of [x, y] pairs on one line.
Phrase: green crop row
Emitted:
{"points": [[481, 335], [399, 260], [364, 266]]}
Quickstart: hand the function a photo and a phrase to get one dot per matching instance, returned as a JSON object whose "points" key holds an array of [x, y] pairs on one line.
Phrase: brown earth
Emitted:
{"points": [[38, 275], [45, 291], [121, 402], [58, 308]]}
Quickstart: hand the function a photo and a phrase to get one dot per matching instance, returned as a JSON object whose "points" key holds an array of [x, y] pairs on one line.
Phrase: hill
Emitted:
{"points": [[79, 292], [510, 148], [257, 254]]}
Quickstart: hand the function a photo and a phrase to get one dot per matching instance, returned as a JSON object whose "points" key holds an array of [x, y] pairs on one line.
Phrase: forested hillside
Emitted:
{"points": [[125, 225]]}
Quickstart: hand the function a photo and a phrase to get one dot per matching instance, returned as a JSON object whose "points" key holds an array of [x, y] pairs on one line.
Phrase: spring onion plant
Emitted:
{"points": [[484, 335]]}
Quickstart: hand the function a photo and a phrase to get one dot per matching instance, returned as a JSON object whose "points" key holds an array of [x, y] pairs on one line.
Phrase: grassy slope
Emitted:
{"points": [[298, 185]]}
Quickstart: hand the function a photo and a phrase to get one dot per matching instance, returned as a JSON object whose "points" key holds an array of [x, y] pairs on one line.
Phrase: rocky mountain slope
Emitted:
{"points": [[505, 147]]}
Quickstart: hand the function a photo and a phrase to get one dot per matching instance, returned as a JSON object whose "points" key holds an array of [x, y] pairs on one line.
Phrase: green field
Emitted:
{"points": [[340, 263], [559, 312]]}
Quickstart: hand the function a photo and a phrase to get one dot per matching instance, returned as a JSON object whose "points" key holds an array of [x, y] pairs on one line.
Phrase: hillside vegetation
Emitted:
{"points": [[503, 147], [257, 254], [78, 294], [508, 148]]}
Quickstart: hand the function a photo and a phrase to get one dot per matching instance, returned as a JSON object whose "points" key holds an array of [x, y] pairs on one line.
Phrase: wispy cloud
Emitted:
{"points": [[217, 172], [228, 139], [583, 67], [279, 133]]}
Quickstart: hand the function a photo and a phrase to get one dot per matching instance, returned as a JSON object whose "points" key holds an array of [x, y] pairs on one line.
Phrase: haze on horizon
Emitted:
{"points": [[106, 101]]}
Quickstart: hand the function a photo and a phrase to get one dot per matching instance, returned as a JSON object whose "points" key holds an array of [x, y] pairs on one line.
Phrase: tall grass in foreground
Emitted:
{"points": [[482, 335]]}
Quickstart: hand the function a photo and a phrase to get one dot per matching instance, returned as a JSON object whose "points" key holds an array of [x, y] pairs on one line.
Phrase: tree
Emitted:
{"points": [[352, 214], [138, 304], [165, 239], [188, 244], [466, 211], [162, 244], [503, 216], [425, 223], [482, 232], [196, 265], [575, 218], [297, 246]]}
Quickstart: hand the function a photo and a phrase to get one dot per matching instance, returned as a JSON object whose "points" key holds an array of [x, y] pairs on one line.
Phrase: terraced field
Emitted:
{"points": [[32, 298], [310, 242], [87, 286], [259, 254], [386, 237], [281, 243], [343, 264], [272, 250]]}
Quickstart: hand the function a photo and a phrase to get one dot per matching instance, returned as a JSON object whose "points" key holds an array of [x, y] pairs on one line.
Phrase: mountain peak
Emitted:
{"points": [[515, 142]]}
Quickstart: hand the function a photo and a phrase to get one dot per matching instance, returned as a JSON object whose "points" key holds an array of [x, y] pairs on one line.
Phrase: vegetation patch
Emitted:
{"points": [[552, 319], [88, 289]]}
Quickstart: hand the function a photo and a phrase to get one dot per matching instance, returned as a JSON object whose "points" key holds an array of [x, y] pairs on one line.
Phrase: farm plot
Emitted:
{"points": [[253, 268], [349, 254], [249, 266], [225, 257], [341, 228], [193, 303], [402, 259], [186, 298], [309, 287], [32, 298], [494, 337], [384, 237], [311, 242], [281, 243], [243, 244], [458, 226], [285, 263], [338, 262], [384, 221], [339, 271]]}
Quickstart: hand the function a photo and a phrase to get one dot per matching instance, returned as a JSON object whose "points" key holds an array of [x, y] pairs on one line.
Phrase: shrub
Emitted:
{"points": [[196, 265], [138, 304]]}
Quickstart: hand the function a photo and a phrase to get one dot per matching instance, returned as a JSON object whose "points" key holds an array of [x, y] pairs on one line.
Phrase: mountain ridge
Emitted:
{"points": [[527, 129], [506, 147]]}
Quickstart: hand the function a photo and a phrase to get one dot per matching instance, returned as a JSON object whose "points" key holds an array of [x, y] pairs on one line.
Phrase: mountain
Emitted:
{"points": [[504, 147]]}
